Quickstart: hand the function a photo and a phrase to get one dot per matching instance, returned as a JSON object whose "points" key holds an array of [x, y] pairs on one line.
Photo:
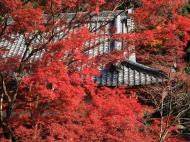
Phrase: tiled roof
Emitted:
{"points": [[17, 47], [128, 73], [102, 16]]}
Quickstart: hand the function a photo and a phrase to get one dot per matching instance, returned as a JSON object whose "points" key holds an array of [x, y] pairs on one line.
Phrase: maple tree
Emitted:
{"points": [[54, 98], [163, 36], [161, 31]]}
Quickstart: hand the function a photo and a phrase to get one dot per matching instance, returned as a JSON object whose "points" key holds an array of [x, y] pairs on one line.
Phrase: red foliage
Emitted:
{"points": [[161, 33], [55, 98], [106, 115], [22, 16]]}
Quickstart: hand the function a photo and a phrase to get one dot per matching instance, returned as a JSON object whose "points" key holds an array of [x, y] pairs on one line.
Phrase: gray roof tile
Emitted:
{"points": [[130, 73]]}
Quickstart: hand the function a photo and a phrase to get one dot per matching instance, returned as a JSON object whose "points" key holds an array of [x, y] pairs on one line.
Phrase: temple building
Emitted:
{"points": [[126, 73]]}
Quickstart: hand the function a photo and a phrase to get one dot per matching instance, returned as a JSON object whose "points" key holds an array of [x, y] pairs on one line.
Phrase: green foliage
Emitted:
{"points": [[187, 69], [130, 4], [147, 119], [34, 2], [185, 10]]}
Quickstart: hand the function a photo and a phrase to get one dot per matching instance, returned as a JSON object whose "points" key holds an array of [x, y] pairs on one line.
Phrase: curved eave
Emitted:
{"points": [[145, 69], [130, 74]]}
